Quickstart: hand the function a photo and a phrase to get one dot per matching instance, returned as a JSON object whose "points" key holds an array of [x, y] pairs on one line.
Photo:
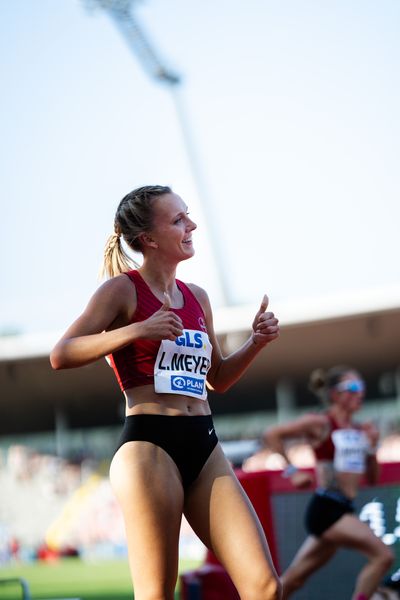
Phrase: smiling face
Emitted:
{"points": [[349, 391], [171, 233]]}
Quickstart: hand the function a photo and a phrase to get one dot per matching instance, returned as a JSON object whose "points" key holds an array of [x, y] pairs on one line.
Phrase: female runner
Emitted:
{"points": [[158, 334], [345, 452]]}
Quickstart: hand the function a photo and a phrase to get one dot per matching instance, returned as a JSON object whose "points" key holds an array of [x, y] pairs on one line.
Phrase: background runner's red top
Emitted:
{"points": [[134, 364], [326, 450]]}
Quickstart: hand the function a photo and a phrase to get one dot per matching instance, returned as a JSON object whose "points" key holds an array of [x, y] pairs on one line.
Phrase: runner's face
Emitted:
{"points": [[172, 228], [349, 392]]}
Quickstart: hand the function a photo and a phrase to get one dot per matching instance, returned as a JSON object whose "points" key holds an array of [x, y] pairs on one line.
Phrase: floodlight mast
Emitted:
{"points": [[121, 13]]}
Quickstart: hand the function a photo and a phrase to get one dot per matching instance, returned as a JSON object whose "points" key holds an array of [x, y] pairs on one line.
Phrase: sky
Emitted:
{"points": [[292, 170]]}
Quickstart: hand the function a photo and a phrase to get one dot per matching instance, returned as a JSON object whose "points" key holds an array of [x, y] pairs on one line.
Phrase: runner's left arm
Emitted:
{"points": [[227, 370]]}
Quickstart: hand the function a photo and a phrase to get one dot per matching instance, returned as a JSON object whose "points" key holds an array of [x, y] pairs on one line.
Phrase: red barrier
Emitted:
{"points": [[209, 582]]}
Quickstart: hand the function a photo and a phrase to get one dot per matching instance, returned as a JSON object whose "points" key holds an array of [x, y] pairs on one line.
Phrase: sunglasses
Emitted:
{"points": [[352, 386]]}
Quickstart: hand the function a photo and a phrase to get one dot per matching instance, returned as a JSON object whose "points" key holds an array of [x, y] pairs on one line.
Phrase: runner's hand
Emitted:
{"points": [[163, 324], [302, 480], [265, 325], [372, 433]]}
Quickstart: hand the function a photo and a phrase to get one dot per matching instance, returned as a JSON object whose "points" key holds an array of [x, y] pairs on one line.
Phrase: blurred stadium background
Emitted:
{"points": [[58, 429]]}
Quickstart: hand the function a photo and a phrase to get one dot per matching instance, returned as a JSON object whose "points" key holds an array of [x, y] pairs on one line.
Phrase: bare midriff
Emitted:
{"points": [[328, 477], [144, 400]]}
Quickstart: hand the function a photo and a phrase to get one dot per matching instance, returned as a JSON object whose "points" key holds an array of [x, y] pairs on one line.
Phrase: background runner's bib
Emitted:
{"points": [[351, 446], [182, 365]]}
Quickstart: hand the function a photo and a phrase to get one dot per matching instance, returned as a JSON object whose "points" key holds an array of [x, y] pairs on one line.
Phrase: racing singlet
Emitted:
{"points": [[177, 367], [351, 447], [346, 448]]}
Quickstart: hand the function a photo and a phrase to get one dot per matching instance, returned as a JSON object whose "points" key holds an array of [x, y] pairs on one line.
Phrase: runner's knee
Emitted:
{"points": [[269, 588], [382, 560], [386, 559], [292, 582]]}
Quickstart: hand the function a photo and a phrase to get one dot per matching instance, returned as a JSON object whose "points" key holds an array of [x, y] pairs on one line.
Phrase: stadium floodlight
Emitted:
{"points": [[121, 13]]}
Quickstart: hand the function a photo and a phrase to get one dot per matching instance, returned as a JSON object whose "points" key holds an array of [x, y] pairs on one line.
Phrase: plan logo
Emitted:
{"points": [[181, 383]]}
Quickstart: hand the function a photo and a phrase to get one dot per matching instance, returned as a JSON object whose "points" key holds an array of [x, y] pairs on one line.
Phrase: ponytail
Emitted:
{"points": [[115, 260], [318, 384], [322, 381]]}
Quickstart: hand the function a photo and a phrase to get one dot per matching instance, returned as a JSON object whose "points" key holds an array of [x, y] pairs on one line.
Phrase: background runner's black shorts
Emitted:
{"points": [[325, 508]]}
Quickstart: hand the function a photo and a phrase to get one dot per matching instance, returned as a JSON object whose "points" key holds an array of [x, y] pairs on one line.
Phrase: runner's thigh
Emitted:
{"points": [[148, 487], [221, 514], [349, 531]]}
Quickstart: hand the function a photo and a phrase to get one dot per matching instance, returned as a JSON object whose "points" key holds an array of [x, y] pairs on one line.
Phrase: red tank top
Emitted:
{"points": [[326, 450], [134, 364], [346, 447]]}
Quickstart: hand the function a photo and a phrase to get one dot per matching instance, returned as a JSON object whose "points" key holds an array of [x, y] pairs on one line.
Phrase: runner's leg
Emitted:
{"points": [[312, 554], [147, 484], [221, 514], [350, 532]]}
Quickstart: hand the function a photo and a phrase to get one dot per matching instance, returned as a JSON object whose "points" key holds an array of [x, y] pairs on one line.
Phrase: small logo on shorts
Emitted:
{"points": [[210, 431]]}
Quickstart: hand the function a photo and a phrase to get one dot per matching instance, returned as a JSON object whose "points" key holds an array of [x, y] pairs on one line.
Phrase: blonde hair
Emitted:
{"points": [[133, 217], [322, 381]]}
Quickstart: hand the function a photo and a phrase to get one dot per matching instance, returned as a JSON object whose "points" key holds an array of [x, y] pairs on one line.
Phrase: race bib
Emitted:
{"points": [[351, 446], [182, 365]]}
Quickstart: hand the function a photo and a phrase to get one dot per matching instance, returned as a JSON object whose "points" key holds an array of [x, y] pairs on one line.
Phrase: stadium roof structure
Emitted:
{"points": [[361, 329], [235, 319]]}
